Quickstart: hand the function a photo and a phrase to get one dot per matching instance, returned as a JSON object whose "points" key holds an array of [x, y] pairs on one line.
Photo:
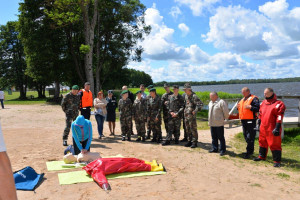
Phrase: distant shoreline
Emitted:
{"points": [[229, 82]]}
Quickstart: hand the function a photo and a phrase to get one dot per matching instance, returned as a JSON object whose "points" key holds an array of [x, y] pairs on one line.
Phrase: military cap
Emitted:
{"points": [[166, 85], [75, 87], [176, 86], [150, 86], [140, 91], [124, 92], [187, 86], [152, 90]]}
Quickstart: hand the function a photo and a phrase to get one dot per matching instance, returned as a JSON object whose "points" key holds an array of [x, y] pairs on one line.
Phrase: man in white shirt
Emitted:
{"points": [[2, 98], [7, 183], [218, 112]]}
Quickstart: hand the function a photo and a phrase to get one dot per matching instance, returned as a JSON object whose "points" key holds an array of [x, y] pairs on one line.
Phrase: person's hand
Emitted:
{"points": [[156, 119], [148, 118], [247, 106], [238, 106], [174, 115], [84, 151], [193, 112], [276, 131]]}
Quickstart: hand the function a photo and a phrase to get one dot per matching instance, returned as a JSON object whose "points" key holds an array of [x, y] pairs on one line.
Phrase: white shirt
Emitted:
{"points": [[2, 144], [1, 95]]}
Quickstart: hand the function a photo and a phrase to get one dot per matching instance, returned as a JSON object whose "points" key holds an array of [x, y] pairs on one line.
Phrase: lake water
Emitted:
{"points": [[288, 89]]}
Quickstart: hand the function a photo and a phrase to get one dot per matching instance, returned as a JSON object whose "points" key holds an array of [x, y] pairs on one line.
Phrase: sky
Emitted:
{"points": [[214, 40]]}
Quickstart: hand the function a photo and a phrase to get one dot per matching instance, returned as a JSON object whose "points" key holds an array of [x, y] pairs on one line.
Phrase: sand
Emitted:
{"points": [[33, 135]]}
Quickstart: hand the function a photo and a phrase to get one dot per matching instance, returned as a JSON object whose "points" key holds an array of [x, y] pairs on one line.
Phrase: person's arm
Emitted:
{"points": [[63, 104], [280, 109], [160, 104], [90, 136], [255, 105], [7, 183], [75, 136], [225, 109], [181, 106], [198, 103]]}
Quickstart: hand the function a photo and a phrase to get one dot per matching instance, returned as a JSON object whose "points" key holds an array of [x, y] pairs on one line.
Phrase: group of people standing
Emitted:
{"points": [[148, 110]]}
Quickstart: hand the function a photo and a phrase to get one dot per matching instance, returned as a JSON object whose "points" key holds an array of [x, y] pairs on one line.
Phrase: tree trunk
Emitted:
{"points": [[57, 89], [89, 35], [40, 91]]}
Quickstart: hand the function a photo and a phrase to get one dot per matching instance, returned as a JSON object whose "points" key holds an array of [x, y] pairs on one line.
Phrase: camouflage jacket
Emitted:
{"points": [[125, 108], [165, 98], [70, 104], [192, 103], [176, 105], [154, 107], [139, 109]]}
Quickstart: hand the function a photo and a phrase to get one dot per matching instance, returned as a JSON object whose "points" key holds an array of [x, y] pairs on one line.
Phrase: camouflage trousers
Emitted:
{"points": [[69, 120], [140, 127], [191, 129], [183, 124], [166, 121], [148, 128], [126, 125], [155, 126], [174, 128]]}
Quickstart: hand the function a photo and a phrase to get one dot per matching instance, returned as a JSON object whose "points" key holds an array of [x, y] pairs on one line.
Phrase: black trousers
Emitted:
{"points": [[86, 112], [83, 144], [249, 134], [217, 133]]}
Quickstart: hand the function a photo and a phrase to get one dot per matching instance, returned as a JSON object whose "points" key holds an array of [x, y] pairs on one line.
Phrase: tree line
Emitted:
{"points": [[233, 81], [71, 42]]}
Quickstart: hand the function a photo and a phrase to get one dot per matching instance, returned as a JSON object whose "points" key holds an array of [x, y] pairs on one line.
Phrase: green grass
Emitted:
{"points": [[290, 148], [204, 96], [283, 175]]}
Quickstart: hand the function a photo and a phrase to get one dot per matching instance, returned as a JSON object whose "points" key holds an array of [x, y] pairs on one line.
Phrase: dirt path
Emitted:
{"points": [[33, 135]]}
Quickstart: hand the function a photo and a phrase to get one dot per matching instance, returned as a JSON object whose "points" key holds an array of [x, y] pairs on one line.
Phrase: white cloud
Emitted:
{"points": [[184, 29], [271, 34], [175, 12], [197, 6], [237, 31]]}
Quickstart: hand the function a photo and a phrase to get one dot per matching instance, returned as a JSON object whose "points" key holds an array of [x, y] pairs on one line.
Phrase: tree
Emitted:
{"points": [[44, 45], [12, 59]]}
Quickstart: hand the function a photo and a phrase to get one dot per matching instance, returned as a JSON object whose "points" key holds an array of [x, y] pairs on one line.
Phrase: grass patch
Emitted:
{"points": [[290, 148], [255, 185], [283, 175]]}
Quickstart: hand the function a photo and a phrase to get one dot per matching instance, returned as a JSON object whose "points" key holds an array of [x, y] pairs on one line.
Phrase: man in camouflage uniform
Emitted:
{"points": [[185, 136], [165, 98], [175, 107], [154, 115], [70, 105], [140, 114], [192, 105], [125, 109], [148, 123]]}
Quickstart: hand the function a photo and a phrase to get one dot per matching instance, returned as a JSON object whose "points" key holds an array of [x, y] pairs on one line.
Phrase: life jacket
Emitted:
{"points": [[246, 113], [87, 99]]}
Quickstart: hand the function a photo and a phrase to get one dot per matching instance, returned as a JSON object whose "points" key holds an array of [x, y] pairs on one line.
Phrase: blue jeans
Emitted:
{"points": [[217, 133], [100, 120], [2, 103]]}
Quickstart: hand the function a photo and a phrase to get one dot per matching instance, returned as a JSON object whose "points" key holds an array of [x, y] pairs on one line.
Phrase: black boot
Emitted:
{"points": [[154, 140], [276, 156], [188, 144], [184, 140], [263, 153], [139, 139], [276, 165], [123, 138], [194, 145], [129, 139], [167, 142], [65, 143], [257, 159], [176, 141], [143, 139]]}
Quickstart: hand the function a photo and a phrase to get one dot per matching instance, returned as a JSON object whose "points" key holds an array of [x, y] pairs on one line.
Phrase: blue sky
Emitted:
{"points": [[202, 40]]}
